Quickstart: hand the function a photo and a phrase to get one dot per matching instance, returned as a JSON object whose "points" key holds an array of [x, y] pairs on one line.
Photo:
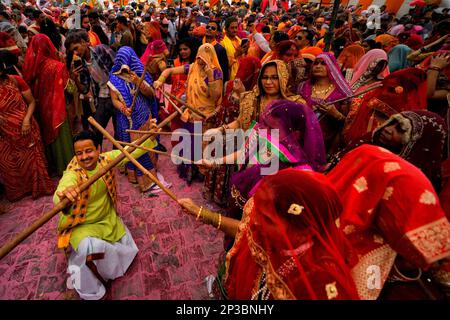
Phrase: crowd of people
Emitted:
{"points": [[360, 206]]}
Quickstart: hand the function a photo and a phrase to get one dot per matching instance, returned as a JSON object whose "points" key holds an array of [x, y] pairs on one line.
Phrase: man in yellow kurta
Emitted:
{"points": [[103, 247], [232, 45]]}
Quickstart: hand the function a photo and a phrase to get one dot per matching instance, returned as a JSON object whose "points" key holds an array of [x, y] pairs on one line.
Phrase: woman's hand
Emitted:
{"points": [[238, 86], [189, 206], [331, 111], [126, 111], [440, 61], [134, 78], [209, 72], [26, 127], [157, 84]]}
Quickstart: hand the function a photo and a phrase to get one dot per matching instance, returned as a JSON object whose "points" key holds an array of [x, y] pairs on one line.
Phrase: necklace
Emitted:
{"points": [[322, 92]]}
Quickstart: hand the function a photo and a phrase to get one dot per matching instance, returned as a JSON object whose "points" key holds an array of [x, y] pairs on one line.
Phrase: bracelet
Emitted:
{"points": [[402, 278], [199, 213], [162, 78], [435, 68], [220, 221]]}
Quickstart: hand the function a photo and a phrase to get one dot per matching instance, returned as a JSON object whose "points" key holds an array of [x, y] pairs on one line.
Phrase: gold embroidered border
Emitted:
{"points": [[431, 240], [382, 257]]}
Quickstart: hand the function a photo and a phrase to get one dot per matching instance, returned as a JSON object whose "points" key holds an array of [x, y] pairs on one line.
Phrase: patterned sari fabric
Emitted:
{"points": [[330, 127], [250, 106], [362, 71], [217, 180], [47, 77], [390, 208], [125, 90], [23, 168], [349, 58], [300, 143], [402, 90], [288, 246]]}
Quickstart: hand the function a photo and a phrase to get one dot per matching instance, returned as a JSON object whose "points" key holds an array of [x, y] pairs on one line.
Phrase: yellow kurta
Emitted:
{"points": [[102, 221]]}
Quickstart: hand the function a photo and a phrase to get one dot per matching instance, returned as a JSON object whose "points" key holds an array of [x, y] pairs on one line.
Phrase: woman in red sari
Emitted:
{"points": [[48, 77], [390, 211], [23, 168], [287, 245]]}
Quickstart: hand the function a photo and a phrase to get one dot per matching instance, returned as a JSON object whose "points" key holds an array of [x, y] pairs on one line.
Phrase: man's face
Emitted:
{"points": [[87, 154], [301, 39], [85, 24], [232, 30], [80, 48], [211, 30]]}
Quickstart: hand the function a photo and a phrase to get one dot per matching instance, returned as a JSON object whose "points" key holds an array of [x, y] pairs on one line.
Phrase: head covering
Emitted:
{"points": [[396, 30], [334, 74], [154, 48], [283, 47], [402, 90], [362, 71], [248, 70], [423, 140], [196, 86], [299, 143], [397, 57], [387, 41], [260, 26], [390, 208], [292, 33], [151, 29], [47, 77], [199, 31], [315, 51], [8, 43], [414, 41], [287, 235], [126, 56], [350, 56]]}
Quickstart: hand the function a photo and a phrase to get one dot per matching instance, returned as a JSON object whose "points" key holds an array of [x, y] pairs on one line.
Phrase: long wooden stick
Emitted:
{"points": [[355, 95], [170, 100], [164, 133], [186, 160], [132, 160], [65, 202], [201, 114]]}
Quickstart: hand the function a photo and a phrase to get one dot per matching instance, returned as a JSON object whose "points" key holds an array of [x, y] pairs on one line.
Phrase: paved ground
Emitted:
{"points": [[176, 252]]}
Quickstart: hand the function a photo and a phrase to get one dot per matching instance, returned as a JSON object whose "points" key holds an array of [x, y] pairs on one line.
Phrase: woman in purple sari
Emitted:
{"points": [[299, 145], [325, 85]]}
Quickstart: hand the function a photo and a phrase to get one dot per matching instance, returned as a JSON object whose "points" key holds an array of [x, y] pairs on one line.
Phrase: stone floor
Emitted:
{"points": [[176, 253]]}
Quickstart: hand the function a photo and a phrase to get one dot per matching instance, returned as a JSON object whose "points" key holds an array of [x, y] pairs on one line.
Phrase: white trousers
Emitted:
{"points": [[117, 258]]}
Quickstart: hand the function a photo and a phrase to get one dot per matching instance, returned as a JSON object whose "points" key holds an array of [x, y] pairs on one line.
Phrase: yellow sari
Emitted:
{"points": [[197, 89]]}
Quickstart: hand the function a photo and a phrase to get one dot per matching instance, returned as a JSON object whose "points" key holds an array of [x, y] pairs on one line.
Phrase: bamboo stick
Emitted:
{"points": [[155, 151], [164, 133], [201, 114], [132, 160], [9, 246]]}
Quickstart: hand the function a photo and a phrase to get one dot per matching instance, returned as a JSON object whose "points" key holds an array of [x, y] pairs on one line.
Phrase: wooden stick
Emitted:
{"points": [[171, 102], [201, 114], [355, 95], [164, 133], [65, 202], [133, 160], [155, 151]]}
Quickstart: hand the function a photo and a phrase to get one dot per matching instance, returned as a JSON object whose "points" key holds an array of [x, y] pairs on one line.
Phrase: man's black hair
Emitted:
{"points": [[87, 135], [279, 36], [229, 21], [123, 20], [94, 15], [5, 15]]}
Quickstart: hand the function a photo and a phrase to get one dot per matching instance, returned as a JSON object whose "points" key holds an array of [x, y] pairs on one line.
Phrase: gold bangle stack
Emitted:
{"points": [[220, 222]]}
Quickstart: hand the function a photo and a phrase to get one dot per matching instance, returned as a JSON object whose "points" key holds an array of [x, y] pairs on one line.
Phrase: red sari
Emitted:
{"points": [[23, 168], [178, 89], [390, 208], [47, 77], [287, 236]]}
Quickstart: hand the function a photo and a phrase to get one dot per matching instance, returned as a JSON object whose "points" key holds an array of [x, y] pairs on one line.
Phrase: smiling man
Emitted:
{"points": [[102, 246]]}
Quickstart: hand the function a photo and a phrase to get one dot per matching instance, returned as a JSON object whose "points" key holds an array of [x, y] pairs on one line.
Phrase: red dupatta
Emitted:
{"points": [[47, 77], [390, 208], [288, 237]]}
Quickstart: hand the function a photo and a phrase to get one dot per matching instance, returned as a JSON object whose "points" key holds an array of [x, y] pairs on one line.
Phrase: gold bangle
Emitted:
{"points": [[162, 78], [220, 221], [199, 213]]}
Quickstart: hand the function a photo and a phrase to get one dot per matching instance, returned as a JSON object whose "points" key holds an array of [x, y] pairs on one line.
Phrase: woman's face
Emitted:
{"points": [[319, 69], [381, 65], [270, 81], [191, 30], [200, 62], [185, 52], [290, 55]]}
